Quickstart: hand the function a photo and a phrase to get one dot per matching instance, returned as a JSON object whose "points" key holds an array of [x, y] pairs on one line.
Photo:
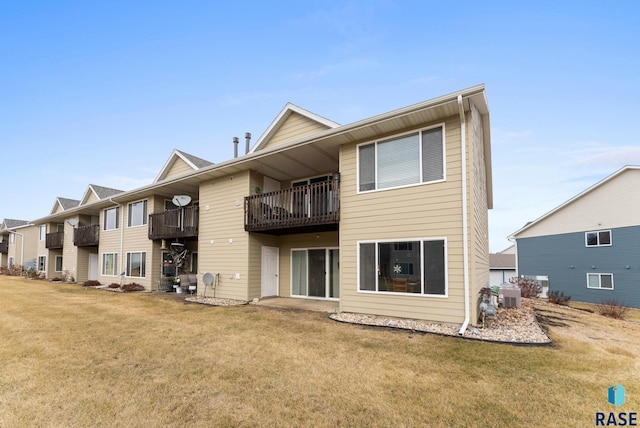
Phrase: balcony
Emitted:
{"points": [[4, 247], [178, 223], [54, 240], [302, 209], [86, 236]]}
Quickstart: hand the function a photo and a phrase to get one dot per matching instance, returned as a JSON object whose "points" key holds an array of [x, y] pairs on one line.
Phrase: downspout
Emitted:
{"points": [[465, 220]]}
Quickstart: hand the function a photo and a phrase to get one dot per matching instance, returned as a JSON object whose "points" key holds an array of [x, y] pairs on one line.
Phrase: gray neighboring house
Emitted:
{"points": [[589, 247]]}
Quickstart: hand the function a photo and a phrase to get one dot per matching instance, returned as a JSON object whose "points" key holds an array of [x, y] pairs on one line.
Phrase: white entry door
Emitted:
{"points": [[93, 267], [270, 261]]}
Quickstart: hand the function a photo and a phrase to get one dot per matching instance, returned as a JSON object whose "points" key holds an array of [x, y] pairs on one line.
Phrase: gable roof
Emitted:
{"points": [[8, 223], [64, 204], [502, 261], [576, 198], [99, 192], [192, 161], [282, 117]]}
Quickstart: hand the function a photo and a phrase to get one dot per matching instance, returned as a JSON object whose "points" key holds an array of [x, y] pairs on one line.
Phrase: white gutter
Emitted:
{"points": [[465, 235]]}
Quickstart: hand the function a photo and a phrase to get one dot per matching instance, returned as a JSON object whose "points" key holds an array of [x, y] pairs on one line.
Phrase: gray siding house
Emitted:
{"points": [[589, 247]]}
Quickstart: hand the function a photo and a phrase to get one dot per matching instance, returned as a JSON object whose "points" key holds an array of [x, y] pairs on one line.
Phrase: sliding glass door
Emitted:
{"points": [[315, 273]]}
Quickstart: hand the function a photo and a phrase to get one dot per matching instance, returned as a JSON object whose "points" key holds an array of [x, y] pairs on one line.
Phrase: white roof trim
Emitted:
{"points": [[570, 201], [169, 163], [284, 114]]}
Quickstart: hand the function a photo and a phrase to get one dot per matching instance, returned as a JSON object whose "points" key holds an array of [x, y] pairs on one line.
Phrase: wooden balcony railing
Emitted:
{"points": [[86, 236], [177, 223], [54, 240], [309, 208], [4, 247]]}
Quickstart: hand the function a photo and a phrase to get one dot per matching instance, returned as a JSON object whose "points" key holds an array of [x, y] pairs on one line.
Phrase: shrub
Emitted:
{"points": [[132, 287], [529, 287], [114, 285], [612, 308], [558, 298], [91, 283]]}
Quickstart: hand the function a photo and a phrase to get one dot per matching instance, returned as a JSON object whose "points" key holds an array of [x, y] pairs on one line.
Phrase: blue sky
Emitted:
{"points": [[102, 92]]}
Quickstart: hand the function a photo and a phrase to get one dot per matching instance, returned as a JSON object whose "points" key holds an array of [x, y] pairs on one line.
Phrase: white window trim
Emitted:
{"points": [[392, 137], [42, 237], [12, 238], [597, 232], [115, 273], [104, 223], [126, 264], [418, 295], [145, 217], [297, 296], [44, 263], [56, 264], [600, 281]]}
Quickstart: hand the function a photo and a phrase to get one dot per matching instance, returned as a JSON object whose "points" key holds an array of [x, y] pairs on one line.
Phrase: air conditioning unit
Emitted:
{"points": [[510, 297]]}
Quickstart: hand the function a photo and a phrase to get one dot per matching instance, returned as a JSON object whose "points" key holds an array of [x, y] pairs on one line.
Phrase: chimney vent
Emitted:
{"points": [[235, 146], [247, 136]]}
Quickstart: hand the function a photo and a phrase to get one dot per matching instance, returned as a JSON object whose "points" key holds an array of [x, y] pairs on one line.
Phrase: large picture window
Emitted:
{"points": [[410, 159], [136, 264], [110, 264], [416, 267], [137, 213], [111, 218]]}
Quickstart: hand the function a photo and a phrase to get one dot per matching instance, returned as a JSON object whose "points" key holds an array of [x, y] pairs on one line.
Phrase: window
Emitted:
{"points": [[402, 161], [600, 280], [43, 232], [110, 264], [598, 238], [315, 272], [417, 267], [136, 264], [111, 216], [58, 263], [137, 214], [12, 238], [42, 263], [11, 262]]}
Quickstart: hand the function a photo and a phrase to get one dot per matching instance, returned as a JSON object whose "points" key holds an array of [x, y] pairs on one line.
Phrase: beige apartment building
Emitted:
{"points": [[386, 216]]}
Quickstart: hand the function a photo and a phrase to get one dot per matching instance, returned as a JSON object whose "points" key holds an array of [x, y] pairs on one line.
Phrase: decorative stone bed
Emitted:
{"points": [[512, 325]]}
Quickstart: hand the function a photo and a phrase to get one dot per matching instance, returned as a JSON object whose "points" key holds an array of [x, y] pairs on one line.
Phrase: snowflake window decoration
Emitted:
{"points": [[397, 269]]}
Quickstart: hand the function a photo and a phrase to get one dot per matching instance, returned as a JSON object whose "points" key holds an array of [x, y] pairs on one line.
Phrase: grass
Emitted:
{"points": [[76, 356]]}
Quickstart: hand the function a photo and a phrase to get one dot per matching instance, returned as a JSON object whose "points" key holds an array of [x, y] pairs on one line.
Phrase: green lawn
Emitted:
{"points": [[75, 356]]}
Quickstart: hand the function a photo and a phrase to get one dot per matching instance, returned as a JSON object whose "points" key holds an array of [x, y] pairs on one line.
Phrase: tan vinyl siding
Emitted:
{"points": [[179, 167], [110, 243], [256, 242], [421, 211], [69, 254], [296, 126], [92, 198], [479, 252], [611, 205], [222, 220]]}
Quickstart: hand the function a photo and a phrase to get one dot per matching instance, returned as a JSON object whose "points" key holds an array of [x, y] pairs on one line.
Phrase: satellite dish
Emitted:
{"points": [[181, 200], [207, 278], [73, 222]]}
